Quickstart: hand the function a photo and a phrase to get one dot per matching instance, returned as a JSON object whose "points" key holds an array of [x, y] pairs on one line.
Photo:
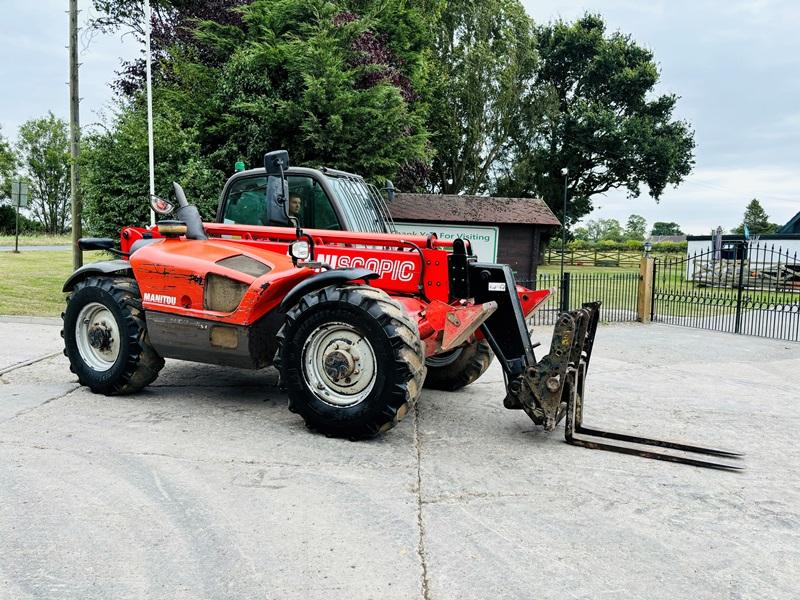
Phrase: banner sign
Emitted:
{"points": [[483, 238]]}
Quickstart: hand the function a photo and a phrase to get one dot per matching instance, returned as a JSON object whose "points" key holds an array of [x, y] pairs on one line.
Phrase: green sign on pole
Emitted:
{"points": [[19, 193], [19, 198]]}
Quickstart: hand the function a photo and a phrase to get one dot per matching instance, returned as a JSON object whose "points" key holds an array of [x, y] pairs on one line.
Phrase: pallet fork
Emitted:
{"points": [[552, 389]]}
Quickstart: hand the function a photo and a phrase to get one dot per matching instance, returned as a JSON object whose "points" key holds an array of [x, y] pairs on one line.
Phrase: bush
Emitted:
{"points": [[8, 215], [670, 247], [634, 245], [577, 245]]}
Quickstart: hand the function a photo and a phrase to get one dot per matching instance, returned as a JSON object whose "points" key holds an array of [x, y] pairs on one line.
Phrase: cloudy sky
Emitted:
{"points": [[735, 64]]}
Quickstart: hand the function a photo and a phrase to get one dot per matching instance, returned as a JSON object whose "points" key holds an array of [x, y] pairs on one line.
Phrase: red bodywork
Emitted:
{"points": [[412, 269]]}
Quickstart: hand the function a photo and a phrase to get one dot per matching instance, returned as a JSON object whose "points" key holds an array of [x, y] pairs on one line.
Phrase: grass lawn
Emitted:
{"points": [[36, 240], [30, 282]]}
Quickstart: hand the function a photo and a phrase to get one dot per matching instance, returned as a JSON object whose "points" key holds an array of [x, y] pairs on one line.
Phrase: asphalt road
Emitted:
{"points": [[33, 248], [205, 486]]}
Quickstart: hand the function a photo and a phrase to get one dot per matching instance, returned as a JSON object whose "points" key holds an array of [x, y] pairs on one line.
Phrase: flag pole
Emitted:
{"points": [[151, 161]]}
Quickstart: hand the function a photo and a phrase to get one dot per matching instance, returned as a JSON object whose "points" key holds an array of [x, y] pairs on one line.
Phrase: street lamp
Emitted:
{"points": [[648, 246], [565, 175]]}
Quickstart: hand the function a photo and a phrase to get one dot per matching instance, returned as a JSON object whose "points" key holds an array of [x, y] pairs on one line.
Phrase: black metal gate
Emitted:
{"points": [[747, 288]]}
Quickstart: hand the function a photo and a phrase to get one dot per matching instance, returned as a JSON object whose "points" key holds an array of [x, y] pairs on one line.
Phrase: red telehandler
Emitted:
{"points": [[350, 319]]}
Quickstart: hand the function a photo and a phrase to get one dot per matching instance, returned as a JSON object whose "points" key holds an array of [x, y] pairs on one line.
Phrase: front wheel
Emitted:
{"points": [[351, 360], [105, 338]]}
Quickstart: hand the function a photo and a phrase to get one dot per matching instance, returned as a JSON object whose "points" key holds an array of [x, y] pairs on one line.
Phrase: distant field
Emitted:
{"points": [[30, 282], [36, 240]]}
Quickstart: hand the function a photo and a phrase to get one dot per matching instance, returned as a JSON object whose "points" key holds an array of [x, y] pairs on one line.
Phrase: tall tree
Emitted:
{"points": [[173, 24], [756, 219], [115, 169], [636, 228], [600, 229], [8, 164], [481, 87], [336, 84], [664, 228], [608, 127], [43, 147], [332, 85]]}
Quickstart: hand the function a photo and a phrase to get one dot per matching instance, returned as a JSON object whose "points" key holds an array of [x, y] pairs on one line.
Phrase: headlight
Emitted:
{"points": [[300, 250], [223, 294]]}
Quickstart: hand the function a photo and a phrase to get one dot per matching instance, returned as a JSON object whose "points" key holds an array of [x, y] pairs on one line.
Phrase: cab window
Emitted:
{"points": [[309, 202], [246, 203]]}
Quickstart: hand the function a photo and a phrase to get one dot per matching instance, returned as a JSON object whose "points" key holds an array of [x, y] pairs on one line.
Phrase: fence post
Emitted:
{"points": [[565, 292], [644, 304], [743, 250]]}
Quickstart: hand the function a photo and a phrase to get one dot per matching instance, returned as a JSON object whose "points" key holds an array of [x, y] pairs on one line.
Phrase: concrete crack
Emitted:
{"points": [[420, 524], [27, 363], [38, 406]]}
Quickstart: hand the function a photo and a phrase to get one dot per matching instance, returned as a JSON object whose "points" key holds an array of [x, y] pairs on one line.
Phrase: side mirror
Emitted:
{"points": [[161, 206], [276, 162]]}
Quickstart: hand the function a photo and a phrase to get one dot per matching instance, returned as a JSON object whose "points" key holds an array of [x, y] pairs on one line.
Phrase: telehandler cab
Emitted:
{"points": [[352, 320]]}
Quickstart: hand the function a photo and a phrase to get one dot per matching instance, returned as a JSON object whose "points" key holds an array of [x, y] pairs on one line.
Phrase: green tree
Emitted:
{"points": [[332, 86], [8, 165], [636, 228], [756, 219], [334, 83], [600, 229], [43, 147], [115, 171], [480, 90], [608, 127], [663, 228]]}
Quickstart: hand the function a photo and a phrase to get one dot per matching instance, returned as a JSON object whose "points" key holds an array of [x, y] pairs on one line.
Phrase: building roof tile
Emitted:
{"points": [[438, 208]]}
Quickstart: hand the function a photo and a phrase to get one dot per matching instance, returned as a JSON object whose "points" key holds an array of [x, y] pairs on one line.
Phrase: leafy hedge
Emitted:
{"points": [[115, 176], [628, 246], [8, 217]]}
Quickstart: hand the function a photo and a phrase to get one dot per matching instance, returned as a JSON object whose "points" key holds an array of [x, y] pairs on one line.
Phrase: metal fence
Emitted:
{"points": [[747, 288], [617, 291]]}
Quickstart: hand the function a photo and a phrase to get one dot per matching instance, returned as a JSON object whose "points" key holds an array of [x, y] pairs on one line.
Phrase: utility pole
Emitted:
{"points": [[74, 134], [148, 61]]}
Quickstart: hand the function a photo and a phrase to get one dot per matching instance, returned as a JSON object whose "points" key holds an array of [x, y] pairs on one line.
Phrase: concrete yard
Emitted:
{"points": [[205, 486]]}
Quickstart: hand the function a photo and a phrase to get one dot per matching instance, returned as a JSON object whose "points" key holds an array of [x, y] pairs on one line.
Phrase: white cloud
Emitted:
{"points": [[712, 197], [34, 63]]}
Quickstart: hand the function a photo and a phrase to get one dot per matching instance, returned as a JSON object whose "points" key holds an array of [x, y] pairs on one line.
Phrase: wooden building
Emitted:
{"points": [[524, 224]]}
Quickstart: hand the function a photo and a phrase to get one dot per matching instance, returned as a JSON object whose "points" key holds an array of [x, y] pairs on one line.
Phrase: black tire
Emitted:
{"points": [[458, 368], [397, 355], [136, 364]]}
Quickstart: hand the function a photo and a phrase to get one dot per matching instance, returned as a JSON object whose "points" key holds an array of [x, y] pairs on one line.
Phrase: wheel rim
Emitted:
{"points": [[97, 336], [442, 360], [339, 365]]}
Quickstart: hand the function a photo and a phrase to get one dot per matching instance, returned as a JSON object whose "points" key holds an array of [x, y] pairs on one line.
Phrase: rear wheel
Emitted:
{"points": [[105, 337], [351, 360], [458, 368]]}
